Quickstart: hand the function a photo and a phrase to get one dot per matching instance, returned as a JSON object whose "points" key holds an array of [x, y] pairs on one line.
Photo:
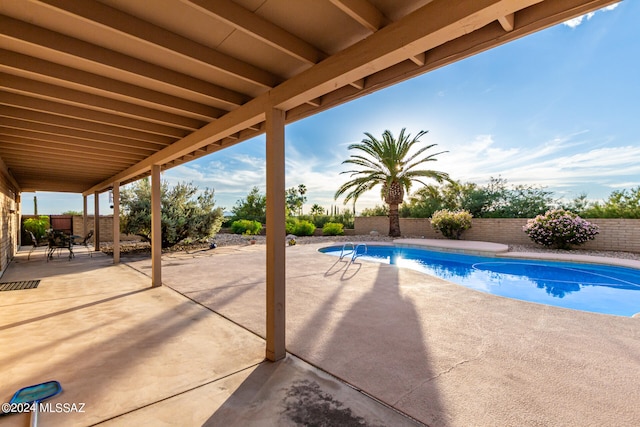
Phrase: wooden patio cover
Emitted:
{"points": [[96, 94]]}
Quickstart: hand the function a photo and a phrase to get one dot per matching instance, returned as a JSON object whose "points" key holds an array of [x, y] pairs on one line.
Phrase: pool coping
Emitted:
{"points": [[501, 250]]}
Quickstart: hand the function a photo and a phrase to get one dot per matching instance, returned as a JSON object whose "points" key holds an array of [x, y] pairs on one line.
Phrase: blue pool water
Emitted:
{"points": [[587, 287]]}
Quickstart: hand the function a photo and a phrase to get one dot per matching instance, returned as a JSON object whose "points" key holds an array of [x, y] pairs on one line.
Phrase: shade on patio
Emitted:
{"points": [[122, 90]]}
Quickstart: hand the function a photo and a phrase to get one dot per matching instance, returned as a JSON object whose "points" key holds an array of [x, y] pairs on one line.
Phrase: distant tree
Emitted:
{"points": [[71, 213], [388, 163], [577, 205], [620, 204], [496, 199], [295, 198], [253, 207], [377, 210], [185, 213], [316, 209]]}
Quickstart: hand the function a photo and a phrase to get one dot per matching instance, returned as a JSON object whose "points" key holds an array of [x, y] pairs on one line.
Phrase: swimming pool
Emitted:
{"points": [[588, 287]]}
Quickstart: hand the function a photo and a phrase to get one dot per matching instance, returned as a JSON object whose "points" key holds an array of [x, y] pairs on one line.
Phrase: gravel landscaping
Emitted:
{"points": [[239, 240]]}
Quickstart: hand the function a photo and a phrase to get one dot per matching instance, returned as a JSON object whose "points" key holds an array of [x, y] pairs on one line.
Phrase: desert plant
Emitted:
{"points": [[38, 226], [333, 229], [186, 212], [299, 228], [246, 227], [560, 229], [451, 223]]}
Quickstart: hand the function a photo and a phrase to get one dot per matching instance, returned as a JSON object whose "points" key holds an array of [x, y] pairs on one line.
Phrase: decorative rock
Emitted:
{"points": [[374, 233]]}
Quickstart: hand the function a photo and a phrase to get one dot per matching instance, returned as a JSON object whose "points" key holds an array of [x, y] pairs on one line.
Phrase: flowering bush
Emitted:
{"points": [[451, 223], [561, 229]]}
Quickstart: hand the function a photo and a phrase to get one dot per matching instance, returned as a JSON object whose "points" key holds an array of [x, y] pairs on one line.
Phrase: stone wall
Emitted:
{"points": [[9, 220], [615, 234]]}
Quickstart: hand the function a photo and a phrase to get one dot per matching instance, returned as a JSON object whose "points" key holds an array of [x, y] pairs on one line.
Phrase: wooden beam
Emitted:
{"points": [[362, 12], [29, 39], [78, 98], [60, 75], [56, 109], [419, 59], [73, 123], [249, 23], [507, 21], [79, 134], [249, 114], [275, 236], [430, 26], [358, 84], [119, 24]]}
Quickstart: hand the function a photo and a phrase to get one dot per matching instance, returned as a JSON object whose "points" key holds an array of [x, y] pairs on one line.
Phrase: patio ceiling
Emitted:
{"points": [[93, 93]]}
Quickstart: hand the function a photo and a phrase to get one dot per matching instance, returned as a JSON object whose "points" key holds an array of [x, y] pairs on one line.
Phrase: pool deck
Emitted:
{"points": [[362, 336], [444, 354]]}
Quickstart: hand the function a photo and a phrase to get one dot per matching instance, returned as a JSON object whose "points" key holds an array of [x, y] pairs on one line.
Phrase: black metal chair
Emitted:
{"points": [[85, 242], [34, 242]]}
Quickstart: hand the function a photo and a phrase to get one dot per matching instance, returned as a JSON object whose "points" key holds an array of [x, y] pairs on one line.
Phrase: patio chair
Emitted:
{"points": [[85, 242], [34, 242]]}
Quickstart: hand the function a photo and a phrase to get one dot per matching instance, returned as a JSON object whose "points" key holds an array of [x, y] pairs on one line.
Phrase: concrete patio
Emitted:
{"points": [[127, 354], [441, 353], [438, 352]]}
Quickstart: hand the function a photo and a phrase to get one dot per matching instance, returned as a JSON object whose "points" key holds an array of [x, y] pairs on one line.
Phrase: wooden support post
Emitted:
{"points": [[84, 215], [275, 235], [156, 231], [116, 222], [96, 221]]}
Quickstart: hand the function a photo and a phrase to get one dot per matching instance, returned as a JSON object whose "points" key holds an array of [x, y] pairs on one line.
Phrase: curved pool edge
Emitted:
{"points": [[475, 247], [472, 247], [581, 259]]}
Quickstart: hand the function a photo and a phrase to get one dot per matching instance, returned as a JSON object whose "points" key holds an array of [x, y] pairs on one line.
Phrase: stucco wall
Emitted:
{"points": [[9, 220], [615, 234]]}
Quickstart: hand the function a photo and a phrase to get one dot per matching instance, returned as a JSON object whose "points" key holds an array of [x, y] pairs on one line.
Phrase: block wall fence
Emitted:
{"points": [[615, 234], [9, 220]]}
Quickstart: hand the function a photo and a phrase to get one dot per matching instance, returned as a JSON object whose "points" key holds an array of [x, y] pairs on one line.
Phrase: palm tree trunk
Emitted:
{"points": [[394, 220]]}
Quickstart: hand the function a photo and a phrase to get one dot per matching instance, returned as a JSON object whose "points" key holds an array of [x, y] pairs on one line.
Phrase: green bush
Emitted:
{"points": [[246, 226], [451, 223], [333, 229], [299, 228], [38, 226]]}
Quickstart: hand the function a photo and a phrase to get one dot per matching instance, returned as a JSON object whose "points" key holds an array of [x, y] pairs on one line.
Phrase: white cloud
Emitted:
{"points": [[575, 22]]}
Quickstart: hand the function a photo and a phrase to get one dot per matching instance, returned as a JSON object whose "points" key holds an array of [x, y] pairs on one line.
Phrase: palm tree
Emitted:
{"points": [[388, 163]]}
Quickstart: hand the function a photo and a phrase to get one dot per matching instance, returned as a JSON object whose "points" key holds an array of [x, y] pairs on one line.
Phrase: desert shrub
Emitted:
{"points": [[333, 229], [38, 226], [299, 228], [560, 229], [451, 223], [186, 212], [246, 226]]}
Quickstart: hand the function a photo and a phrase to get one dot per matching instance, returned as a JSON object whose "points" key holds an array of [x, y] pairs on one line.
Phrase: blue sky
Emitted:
{"points": [[557, 109]]}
